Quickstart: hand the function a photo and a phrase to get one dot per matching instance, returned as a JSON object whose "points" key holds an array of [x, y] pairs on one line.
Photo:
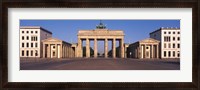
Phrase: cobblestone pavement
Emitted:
{"points": [[99, 64]]}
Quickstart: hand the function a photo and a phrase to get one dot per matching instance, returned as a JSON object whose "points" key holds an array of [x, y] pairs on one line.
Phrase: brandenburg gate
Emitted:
{"points": [[100, 33]]}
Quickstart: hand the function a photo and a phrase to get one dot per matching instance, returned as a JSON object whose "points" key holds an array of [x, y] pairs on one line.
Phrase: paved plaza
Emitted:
{"points": [[99, 64]]}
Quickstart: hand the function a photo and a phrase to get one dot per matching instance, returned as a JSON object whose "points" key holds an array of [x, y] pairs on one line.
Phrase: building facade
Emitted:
{"points": [[169, 41], [30, 40], [55, 48], [147, 48]]}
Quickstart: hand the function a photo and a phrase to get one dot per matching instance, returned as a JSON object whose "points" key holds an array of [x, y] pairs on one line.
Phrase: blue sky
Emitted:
{"points": [[134, 29]]}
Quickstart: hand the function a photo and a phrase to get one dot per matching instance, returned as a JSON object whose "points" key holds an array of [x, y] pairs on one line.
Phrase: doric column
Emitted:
{"points": [[157, 51], [95, 48], [152, 51], [106, 48], [49, 51], [122, 47], [43, 50], [141, 51], [56, 51], [79, 47], [114, 48], [87, 47], [125, 54], [61, 51], [67, 49]]}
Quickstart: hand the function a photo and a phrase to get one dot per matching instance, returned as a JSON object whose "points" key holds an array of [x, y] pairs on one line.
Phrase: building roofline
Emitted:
{"points": [[165, 28], [35, 27]]}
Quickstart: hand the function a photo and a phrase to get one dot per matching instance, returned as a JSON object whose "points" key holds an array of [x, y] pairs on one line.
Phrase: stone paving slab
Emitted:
{"points": [[99, 64]]}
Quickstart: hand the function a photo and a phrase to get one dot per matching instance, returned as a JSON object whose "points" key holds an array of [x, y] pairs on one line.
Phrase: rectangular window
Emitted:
{"points": [[35, 44], [31, 44], [27, 38], [169, 53], [173, 38], [178, 54], [22, 52], [22, 31], [173, 32], [22, 44], [22, 37], [35, 31], [31, 52], [178, 32], [35, 38], [27, 45], [164, 45], [173, 45], [169, 32], [169, 39], [173, 53], [178, 38], [27, 53], [169, 45], [178, 45], [27, 32], [164, 53], [36, 53], [31, 31]]}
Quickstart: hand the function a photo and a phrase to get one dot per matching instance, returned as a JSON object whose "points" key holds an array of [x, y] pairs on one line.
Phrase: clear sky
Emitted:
{"points": [[134, 29]]}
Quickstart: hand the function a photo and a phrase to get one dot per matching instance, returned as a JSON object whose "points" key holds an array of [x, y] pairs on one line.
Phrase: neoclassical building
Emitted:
{"points": [[147, 48], [55, 48], [100, 33], [169, 38], [30, 40]]}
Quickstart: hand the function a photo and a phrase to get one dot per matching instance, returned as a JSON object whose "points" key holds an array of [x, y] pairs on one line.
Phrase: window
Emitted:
{"points": [[22, 52], [22, 44], [169, 39], [27, 45], [22, 37], [31, 31], [173, 53], [173, 32], [169, 53], [31, 44], [35, 38], [22, 31], [31, 52], [53, 47], [147, 47], [35, 31], [173, 45], [169, 32], [27, 38], [178, 32], [35, 44], [164, 32], [27, 32], [164, 53], [27, 53], [53, 53], [36, 53], [178, 38], [178, 45], [178, 54], [169, 45], [173, 38], [164, 45]]}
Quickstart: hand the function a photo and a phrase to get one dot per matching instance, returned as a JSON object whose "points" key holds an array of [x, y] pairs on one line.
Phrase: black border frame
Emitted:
{"points": [[194, 4]]}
